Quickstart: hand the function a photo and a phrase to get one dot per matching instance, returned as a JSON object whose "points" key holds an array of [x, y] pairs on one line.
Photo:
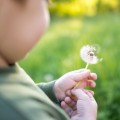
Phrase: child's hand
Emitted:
{"points": [[69, 105], [70, 102], [84, 108], [69, 80]]}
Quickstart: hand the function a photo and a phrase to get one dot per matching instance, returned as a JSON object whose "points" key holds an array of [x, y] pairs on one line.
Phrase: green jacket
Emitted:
{"points": [[22, 99]]}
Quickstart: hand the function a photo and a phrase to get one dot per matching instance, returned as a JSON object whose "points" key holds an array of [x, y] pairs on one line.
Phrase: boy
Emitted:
{"points": [[22, 23]]}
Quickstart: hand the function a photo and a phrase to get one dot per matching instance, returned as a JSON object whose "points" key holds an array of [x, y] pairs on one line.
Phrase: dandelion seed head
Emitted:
{"points": [[87, 54]]}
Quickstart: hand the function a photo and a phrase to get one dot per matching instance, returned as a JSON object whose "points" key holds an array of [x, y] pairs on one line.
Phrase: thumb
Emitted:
{"points": [[80, 94], [81, 75]]}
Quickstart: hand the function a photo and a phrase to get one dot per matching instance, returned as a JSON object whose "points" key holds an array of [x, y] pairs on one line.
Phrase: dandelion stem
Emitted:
{"points": [[87, 65], [76, 85], [79, 82]]}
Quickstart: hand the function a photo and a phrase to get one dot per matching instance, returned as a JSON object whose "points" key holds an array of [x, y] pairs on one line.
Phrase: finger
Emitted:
{"points": [[80, 76], [80, 94], [88, 91], [93, 76], [64, 105], [66, 108], [70, 102], [89, 94], [92, 92], [74, 107], [68, 93], [79, 70], [90, 83]]}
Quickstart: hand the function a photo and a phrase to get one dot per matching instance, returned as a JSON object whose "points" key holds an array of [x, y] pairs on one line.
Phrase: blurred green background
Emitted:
{"points": [[75, 23]]}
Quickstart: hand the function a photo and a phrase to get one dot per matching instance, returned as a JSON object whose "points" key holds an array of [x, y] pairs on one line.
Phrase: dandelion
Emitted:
{"points": [[88, 55]]}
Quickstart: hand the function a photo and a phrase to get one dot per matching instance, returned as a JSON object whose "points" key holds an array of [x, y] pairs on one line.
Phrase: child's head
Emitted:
{"points": [[22, 23]]}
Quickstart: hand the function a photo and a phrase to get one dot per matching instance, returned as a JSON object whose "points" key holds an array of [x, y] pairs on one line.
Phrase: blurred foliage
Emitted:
{"points": [[113, 112], [83, 7], [58, 53]]}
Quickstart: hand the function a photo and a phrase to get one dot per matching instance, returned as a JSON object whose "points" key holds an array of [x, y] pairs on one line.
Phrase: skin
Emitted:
{"points": [[69, 104], [85, 77], [82, 111], [22, 24]]}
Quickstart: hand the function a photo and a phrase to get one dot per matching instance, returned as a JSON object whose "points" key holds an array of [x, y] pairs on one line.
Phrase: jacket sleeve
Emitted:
{"points": [[48, 88]]}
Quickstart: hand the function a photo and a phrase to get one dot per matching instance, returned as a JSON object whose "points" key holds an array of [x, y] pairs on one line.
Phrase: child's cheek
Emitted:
{"points": [[22, 31]]}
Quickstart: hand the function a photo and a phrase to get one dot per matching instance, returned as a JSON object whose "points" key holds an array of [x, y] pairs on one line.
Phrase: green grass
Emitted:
{"points": [[58, 53]]}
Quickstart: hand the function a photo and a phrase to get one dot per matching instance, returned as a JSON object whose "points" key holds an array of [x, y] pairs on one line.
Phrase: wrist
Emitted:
{"points": [[60, 95]]}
